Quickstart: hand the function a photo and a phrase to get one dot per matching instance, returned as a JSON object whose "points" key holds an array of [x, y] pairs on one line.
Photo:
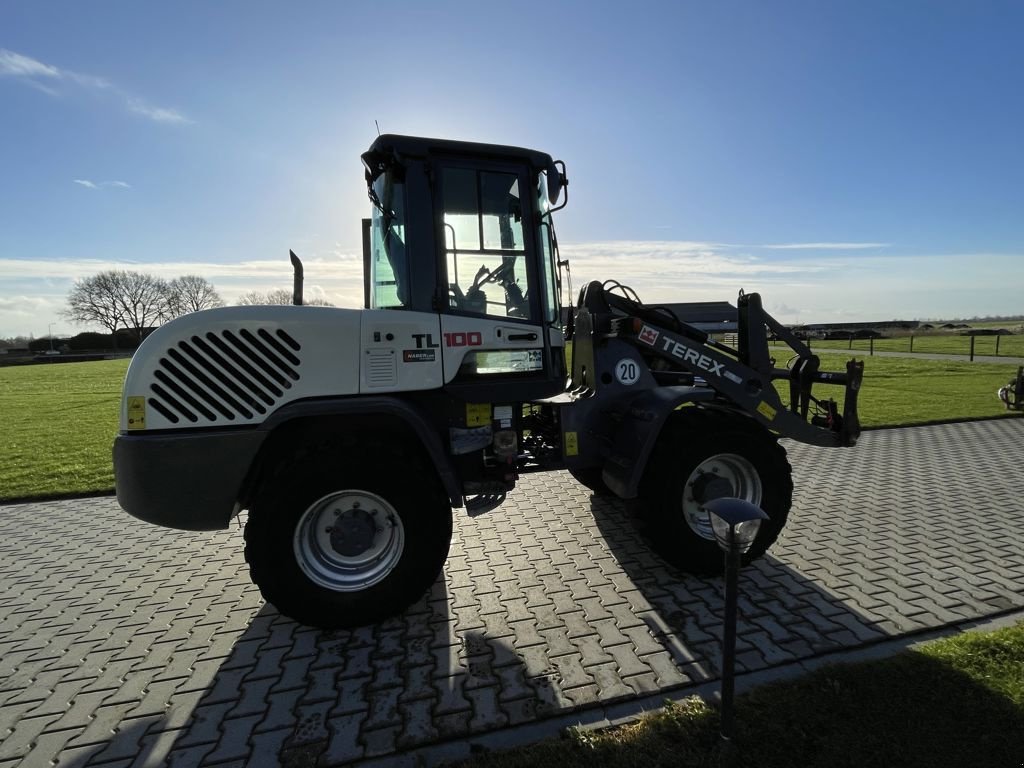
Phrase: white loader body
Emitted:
{"points": [[236, 365]]}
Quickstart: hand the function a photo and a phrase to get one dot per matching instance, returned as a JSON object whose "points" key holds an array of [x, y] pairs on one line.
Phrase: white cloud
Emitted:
{"points": [[808, 287], [89, 81], [659, 261], [795, 288], [32, 72], [17, 65], [159, 114], [33, 292], [824, 246], [96, 185], [676, 271], [338, 280]]}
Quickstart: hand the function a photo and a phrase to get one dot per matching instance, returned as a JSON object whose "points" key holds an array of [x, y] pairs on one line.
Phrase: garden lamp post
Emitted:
{"points": [[735, 523]]}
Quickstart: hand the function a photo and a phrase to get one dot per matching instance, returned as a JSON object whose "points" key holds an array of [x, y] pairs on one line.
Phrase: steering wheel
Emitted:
{"points": [[504, 273], [504, 276], [500, 275]]}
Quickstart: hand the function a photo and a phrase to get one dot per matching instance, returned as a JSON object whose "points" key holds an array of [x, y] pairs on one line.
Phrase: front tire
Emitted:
{"points": [[703, 454], [337, 539]]}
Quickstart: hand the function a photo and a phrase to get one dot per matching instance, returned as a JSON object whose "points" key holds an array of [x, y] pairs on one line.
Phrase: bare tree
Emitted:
{"points": [[276, 296], [119, 299], [143, 300], [15, 341], [191, 293], [256, 298], [95, 300]]}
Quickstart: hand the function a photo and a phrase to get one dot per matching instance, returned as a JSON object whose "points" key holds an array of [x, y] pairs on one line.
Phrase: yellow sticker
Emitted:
{"points": [[136, 412], [478, 414], [572, 444], [766, 410]]}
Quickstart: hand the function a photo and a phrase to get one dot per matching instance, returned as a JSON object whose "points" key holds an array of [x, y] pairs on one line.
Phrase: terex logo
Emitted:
{"points": [[692, 356], [648, 335]]}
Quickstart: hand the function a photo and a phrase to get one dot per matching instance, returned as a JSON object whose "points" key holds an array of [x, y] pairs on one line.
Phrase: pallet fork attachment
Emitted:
{"points": [[746, 376]]}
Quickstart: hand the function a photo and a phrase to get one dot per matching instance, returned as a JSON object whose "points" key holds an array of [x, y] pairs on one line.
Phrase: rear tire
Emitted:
{"points": [[703, 454], [340, 538]]}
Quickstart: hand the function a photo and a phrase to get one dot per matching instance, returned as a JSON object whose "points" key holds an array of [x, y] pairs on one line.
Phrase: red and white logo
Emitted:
{"points": [[648, 335]]}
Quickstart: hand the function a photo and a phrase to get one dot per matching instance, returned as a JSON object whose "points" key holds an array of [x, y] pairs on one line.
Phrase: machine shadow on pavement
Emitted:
{"points": [[520, 628], [783, 615]]}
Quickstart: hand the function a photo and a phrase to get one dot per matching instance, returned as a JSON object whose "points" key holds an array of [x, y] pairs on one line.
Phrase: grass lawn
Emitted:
{"points": [[942, 344], [60, 419], [59, 422], [901, 391], [954, 702]]}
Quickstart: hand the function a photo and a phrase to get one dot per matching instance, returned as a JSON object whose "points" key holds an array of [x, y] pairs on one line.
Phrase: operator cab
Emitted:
{"points": [[464, 231]]}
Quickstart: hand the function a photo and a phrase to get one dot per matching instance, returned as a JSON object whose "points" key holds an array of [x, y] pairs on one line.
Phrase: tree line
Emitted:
{"points": [[136, 301]]}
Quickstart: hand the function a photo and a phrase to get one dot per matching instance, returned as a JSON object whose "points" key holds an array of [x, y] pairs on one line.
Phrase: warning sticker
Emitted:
{"points": [[478, 414], [572, 444], [766, 410], [136, 412]]}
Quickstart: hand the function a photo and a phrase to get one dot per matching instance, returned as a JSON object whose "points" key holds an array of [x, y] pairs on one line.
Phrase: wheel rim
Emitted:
{"points": [[349, 540], [722, 475]]}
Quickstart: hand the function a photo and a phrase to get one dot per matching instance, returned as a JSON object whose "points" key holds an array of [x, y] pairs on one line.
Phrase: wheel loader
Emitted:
{"points": [[350, 435]]}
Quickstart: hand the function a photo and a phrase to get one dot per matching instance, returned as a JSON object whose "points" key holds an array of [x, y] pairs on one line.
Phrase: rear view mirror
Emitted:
{"points": [[555, 183]]}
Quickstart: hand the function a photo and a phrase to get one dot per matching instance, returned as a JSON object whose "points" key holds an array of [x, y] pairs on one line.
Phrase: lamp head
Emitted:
{"points": [[735, 522]]}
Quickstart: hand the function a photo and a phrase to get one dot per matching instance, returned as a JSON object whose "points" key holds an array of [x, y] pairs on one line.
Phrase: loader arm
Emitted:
{"points": [[746, 376]]}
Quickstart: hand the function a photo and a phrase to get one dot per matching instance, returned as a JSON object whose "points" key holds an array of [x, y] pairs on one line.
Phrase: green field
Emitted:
{"points": [[902, 391], [59, 424], [60, 419], [941, 344]]}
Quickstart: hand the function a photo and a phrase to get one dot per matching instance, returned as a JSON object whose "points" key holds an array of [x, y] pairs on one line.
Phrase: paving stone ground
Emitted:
{"points": [[123, 644]]}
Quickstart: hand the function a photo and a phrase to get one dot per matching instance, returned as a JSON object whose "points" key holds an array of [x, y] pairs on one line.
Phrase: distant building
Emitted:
{"points": [[857, 330], [708, 316]]}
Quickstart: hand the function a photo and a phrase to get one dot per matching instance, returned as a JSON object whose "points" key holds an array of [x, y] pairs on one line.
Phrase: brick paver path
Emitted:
{"points": [[124, 644]]}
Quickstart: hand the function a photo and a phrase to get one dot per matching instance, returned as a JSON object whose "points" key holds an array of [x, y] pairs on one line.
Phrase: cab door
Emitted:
{"points": [[493, 329]]}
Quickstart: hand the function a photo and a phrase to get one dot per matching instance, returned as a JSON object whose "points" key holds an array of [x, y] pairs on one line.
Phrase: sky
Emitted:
{"points": [[849, 160]]}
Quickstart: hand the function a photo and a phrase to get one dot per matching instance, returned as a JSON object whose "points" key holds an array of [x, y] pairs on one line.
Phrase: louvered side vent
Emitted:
{"points": [[381, 368], [224, 376]]}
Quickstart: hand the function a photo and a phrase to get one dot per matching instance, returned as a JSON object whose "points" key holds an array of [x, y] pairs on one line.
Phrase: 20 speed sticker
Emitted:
{"points": [[627, 371]]}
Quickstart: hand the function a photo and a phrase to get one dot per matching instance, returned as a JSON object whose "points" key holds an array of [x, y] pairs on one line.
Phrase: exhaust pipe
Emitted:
{"points": [[297, 279]]}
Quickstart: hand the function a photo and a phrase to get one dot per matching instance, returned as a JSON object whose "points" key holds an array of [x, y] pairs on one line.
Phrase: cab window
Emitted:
{"points": [[485, 252], [388, 265]]}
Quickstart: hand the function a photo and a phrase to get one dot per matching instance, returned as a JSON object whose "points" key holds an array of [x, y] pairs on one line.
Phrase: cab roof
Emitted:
{"points": [[391, 144]]}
